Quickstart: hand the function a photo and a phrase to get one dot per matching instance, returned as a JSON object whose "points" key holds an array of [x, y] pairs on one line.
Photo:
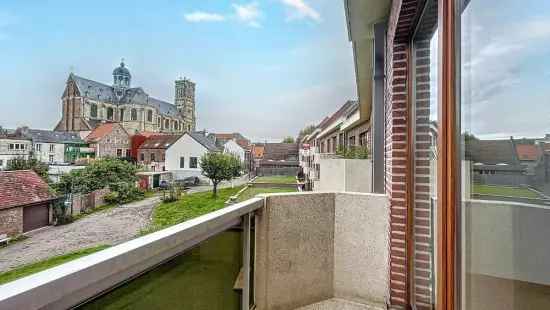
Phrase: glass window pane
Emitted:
{"points": [[505, 159]]}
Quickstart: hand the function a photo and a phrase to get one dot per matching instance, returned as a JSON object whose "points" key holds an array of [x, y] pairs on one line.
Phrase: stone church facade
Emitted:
{"points": [[87, 104]]}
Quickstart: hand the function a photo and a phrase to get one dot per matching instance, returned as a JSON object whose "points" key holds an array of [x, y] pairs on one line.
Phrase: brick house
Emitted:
{"points": [[110, 140], [152, 152], [25, 202]]}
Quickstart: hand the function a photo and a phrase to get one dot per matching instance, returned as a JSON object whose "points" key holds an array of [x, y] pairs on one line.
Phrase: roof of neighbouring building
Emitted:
{"points": [[102, 130], [257, 151], [22, 187], [530, 152], [204, 141], [159, 141], [280, 151], [221, 138], [49, 136], [492, 152], [136, 95]]}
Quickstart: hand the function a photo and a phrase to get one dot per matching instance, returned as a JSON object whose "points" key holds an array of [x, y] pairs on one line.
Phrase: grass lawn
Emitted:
{"points": [[26, 270], [280, 179], [500, 190], [190, 206], [253, 191]]}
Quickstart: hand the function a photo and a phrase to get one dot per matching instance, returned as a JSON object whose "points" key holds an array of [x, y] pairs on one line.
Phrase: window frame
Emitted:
{"points": [[193, 162], [182, 162]]}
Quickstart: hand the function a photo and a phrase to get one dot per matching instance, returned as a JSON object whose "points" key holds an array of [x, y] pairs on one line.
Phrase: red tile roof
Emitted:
{"points": [[528, 151], [22, 187], [101, 131], [159, 141]]}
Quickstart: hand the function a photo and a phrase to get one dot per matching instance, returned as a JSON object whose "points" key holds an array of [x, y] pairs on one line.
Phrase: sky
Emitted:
{"points": [[265, 68], [505, 69]]}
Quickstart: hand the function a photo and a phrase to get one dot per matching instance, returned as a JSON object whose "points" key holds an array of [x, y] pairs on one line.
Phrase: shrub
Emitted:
{"points": [[61, 214], [111, 198], [354, 152]]}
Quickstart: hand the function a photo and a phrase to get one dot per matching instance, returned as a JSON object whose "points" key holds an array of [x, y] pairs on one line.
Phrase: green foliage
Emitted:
{"points": [[172, 194], [288, 139], [252, 192], [306, 131], [190, 206], [107, 172], [354, 152], [32, 163], [125, 192], [47, 263], [219, 167]]}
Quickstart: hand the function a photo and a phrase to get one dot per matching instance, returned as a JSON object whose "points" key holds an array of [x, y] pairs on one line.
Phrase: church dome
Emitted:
{"points": [[122, 70]]}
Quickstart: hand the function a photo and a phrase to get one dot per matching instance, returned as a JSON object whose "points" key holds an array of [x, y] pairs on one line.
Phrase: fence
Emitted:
{"points": [[83, 203]]}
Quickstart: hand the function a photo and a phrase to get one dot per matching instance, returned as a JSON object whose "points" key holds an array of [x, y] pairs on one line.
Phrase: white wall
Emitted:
{"points": [[44, 154], [346, 175], [231, 147], [186, 147]]}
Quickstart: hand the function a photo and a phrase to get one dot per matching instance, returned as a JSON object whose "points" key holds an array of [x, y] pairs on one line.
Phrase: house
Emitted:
{"points": [[13, 146], [152, 152], [110, 140], [276, 159], [222, 138], [25, 202], [232, 147], [138, 139], [183, 155], [56, 147]]}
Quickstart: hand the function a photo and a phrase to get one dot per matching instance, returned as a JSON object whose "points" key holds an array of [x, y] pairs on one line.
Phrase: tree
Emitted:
{"points": [[288, 139], [219, 167], [306, 131], [32, 163], [116, 174]]}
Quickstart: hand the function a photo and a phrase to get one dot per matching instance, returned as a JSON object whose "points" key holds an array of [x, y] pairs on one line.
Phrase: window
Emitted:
{"points": [[110, 113], [152, 156], [133, 115], [363, 139], [1, 162], [162, 156], [52, 148], [17, 145], [121, 115], [118, 152], [192, 162], [51, 158], [150, 116], [93, 110], [128, 155], [182, 162], [142, 156], [166, 124], [38, 147]]}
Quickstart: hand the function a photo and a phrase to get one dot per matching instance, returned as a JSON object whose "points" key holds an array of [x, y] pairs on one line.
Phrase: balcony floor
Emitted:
{"points": [[338, 304]]}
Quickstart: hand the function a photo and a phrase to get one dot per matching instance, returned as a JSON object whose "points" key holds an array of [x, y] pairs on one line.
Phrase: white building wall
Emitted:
{"points": [[7, 154], [42, 152], [186, 147], [231, 147]]}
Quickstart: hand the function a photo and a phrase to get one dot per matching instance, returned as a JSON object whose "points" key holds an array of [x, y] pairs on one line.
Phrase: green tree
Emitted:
{"points": [[116, 174], [306, 131], [288, 139], [219, 167], [20, 163]]}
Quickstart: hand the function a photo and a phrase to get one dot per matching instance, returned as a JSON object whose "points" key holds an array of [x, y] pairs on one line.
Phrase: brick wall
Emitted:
{"points": [[398, 168], [11, 221]]}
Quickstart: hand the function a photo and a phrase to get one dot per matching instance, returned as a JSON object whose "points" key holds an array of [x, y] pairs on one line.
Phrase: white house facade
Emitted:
{"points": [[231, 147], [183, 156], [11, 148]]}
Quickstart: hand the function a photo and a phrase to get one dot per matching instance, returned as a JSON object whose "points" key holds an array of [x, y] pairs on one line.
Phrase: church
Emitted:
{"points": [[87, 104]]}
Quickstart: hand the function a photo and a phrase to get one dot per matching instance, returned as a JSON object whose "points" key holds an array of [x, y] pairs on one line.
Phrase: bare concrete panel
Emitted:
{"points": [[361, 248], [295, 236]]}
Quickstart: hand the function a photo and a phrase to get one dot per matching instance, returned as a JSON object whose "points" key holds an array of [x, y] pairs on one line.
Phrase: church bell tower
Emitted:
{"points": [[185, 102]]}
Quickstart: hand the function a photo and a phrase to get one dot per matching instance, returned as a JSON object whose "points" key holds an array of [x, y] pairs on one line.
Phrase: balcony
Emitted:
{"points": [[301, 251]]}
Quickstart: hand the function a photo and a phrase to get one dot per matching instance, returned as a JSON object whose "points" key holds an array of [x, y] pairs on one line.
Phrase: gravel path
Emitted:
{"points": [[110, 227]]}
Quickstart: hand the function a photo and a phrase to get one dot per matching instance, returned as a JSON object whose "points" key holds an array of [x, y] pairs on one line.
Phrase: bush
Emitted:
{"points": [[354, 152], [123, 192], [111, 198]]}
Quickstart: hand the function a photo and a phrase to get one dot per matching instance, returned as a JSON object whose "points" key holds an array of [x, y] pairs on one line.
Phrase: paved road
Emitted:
{"points": [[110, 227]]}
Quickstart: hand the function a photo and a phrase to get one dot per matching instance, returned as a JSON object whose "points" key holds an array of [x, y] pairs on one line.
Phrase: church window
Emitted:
{"points": [[166, 124], [110, 114], [134, 115], [149, 116], [93, 110], [121, 115]]}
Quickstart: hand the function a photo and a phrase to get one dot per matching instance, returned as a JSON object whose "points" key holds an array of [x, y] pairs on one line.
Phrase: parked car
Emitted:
{"points": [[163, 184], [189, 181]]}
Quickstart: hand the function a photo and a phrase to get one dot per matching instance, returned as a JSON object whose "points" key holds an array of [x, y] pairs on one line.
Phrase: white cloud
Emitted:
{"points": [[249, 14], [200, 16], [299, 9]]}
